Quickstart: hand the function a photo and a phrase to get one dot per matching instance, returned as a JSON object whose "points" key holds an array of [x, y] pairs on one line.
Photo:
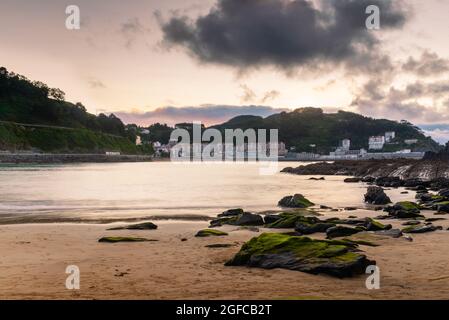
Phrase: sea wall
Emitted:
{"points": [[46, 158]]}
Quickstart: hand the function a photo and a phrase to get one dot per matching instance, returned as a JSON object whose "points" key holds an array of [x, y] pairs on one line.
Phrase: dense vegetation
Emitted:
{"points": [[70, 127], [304, 127]]}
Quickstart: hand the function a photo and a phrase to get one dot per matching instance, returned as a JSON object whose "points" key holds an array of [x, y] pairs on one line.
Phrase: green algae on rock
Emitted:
{"points": [[139, 226], [210, 232], [123, 239], [275, 250], [295, 201]]}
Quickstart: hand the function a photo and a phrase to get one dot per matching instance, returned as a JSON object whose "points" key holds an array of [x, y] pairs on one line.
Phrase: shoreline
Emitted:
{"points": [[36, 256]]}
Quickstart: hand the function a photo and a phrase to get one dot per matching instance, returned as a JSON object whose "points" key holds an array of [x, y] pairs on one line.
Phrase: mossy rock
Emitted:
{"points": [[342, 231], [421, 229], [139, 226], [373, 225], [275, 250], [295, 201], [210, 232], [408, 205], [289, 220], [123, 239]]}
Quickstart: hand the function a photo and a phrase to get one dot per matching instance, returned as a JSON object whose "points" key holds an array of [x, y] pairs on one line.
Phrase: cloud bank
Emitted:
{"points": [[207, 114], [284, 34]]}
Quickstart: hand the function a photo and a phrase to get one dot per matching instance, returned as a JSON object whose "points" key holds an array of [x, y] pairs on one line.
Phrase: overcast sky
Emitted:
{"points": [[144, 59]]}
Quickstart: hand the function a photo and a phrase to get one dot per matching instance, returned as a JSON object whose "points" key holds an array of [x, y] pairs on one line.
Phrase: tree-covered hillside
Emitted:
{"points": [[70, 128], [304, 127]]}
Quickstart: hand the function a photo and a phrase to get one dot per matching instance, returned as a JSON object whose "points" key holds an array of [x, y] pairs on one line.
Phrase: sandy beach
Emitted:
{"points": [[35, 257]]}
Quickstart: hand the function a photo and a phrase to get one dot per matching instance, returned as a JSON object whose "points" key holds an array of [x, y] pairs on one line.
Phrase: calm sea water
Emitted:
{"points": [[132, 190]]}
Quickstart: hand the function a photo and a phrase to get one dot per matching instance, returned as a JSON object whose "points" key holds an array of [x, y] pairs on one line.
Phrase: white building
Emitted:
{"points": [[346, 144], [389, 136], [138, 141], [410, 141], [376, 142]]}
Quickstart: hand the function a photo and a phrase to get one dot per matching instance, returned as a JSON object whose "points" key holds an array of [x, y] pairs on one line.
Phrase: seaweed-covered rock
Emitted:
{"points": [[123, 239], [307, 228], [248, 219], [404, 210], [271, 218], [210, 232], [274, 250], [376, 195], [341, 231], [231, 212], [139, 226], [295, 201], [291, 219], [223, 220], [421, 229], [373, 225]]}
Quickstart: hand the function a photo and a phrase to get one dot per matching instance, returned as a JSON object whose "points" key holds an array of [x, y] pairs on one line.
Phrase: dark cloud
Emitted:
{"points": [[429, 64], [208, 114], [284, 34]]}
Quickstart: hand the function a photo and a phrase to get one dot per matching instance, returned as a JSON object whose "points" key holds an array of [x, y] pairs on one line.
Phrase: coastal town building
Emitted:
{"points": [[346, 144], [390, 136], [376, 142], [410, 141]]}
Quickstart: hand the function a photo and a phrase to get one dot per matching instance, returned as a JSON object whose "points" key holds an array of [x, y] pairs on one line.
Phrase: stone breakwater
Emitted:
{"points": [[404, 169], [33, 158]]}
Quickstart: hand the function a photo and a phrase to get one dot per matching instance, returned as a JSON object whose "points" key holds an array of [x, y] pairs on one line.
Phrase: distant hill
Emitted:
{"points": [[304, 127], [69, 127]]}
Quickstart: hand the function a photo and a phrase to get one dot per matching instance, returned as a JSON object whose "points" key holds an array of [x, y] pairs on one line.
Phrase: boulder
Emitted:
{"points": [[295, 201], [231, 213], [404, 210], [421, 229], [290, 219], [373, 225], [139, 226], [444, 193], [341, 231], [274, 250], [249, 219], [271, 218], [376, 195], [306, 228], [210, 233]]}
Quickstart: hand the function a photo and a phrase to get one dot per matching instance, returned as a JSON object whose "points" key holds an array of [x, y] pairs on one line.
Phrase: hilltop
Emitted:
{"points": [[304, 127], [36, 117]]}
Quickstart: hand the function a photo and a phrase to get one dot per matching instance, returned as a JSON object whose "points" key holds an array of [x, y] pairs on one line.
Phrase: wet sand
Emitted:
{"points": [[35, 257]]}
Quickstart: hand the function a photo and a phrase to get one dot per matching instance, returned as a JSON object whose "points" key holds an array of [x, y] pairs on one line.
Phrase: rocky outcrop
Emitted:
{"points": [[295, 201], [404, 210], [231, 213], [376, 195], [401, 170], [274, 250]]}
